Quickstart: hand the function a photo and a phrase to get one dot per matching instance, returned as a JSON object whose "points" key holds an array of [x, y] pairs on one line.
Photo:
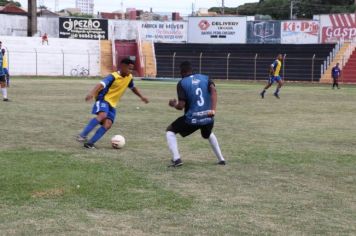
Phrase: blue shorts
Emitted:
{"points": [[104, 106], [273, 79], [6, 71]]}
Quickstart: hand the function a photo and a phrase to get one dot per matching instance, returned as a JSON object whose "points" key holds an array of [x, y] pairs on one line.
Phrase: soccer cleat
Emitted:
{"points": [[222, 163], [81, 139], [276, 95], [176, 163], [262, 94], [6, 100], [89, 146]]}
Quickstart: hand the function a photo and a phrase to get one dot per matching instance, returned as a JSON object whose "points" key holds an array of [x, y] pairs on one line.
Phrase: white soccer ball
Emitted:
{"points": [[118, 141]]}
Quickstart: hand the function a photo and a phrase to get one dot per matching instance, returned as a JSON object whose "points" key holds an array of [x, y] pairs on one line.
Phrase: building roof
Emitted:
{"points": [[11, 8], [46, 13], [108, 15]]}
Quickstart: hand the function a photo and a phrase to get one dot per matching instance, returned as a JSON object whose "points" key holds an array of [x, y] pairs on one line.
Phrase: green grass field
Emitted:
{"points": [[291, 164]]}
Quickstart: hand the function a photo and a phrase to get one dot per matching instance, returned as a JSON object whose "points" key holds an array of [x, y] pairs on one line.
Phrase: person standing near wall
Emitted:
{"points": [[335, 73]]}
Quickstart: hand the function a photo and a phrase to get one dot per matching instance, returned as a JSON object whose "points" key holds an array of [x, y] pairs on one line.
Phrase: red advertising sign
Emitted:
{"points": [[341, 26]]}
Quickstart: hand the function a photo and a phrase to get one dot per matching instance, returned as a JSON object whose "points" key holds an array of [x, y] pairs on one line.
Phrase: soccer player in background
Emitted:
{"points": [[275, 70], [5, 66], [107, 94], [3, 80], [197, 96], [335, 73]]}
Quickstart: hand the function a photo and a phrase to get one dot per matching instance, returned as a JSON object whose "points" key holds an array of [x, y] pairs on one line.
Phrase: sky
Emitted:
{"points": [[182, 6]]}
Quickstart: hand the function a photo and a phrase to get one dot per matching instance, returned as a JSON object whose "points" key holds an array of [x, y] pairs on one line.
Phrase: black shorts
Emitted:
{"points": [[179, 126], [2, 78]]}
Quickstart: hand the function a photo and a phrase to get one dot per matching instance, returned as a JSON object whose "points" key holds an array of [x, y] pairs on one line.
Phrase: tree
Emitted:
{"points": [[4, 2]]}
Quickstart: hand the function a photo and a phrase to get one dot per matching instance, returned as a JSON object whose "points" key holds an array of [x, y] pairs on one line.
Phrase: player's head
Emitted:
{"points": [[3, 51], [126, 66], [186, 69], [280, 57], [337, 64]]}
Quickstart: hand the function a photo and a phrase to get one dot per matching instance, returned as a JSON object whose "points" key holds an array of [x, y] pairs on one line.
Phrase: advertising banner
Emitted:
{"points": [[156, 31], [300, 32], [217, 30], [81, 28], [337, 27], [264, 32]]}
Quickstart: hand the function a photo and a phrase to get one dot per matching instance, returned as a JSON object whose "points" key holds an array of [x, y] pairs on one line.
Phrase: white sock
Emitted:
{"points": [[215, 145], [4, 92], [172, 144]]}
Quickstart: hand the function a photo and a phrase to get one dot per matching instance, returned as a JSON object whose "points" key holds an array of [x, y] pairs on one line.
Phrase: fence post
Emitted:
{"points": [[88, 63], [62, 62], [200, 57], [321, 69], [284, 66], [255, 72], [173, 63], [145, 57], [36, 62], [227, 66], [313, 68]]}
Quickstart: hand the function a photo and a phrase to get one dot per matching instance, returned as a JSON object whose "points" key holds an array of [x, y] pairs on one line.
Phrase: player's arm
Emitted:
{"points": [[180, 104], [214, 98], [137, 92], [95, 91]]}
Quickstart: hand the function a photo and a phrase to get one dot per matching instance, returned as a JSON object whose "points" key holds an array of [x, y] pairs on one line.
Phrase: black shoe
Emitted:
{"points": [[276, 95], [176, 163], [89, 146], [222, 163], [262, 95], [6, 100]]}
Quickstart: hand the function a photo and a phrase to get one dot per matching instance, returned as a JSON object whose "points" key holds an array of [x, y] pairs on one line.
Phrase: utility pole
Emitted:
{"points": [[31, 18], [291, 9], [223, 7]]}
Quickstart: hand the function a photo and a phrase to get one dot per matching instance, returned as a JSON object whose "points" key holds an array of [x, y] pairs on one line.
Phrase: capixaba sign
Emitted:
{"points": [[81, 28]]}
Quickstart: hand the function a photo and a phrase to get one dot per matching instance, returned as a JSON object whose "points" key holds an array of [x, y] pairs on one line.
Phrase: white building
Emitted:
{"points": [[85, 6]]}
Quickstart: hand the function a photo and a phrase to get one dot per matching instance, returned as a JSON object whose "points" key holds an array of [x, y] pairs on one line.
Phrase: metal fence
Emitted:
{"points": [[248, 68]]}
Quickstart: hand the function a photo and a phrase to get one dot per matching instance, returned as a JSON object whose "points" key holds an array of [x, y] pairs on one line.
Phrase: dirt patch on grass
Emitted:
{"points": [[50, 193]]}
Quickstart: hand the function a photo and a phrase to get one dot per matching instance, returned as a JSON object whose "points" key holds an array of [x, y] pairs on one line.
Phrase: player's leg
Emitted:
{"points": [[207, 133], [337, 83], [7, 75], [3, 88], [106, 125], [269, 84], [279, 86], [181, 127]]}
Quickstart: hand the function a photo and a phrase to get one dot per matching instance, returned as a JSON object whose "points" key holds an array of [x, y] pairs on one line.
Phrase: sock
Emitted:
{"points": [[4, 92], [215, 145], [263, 91], [172, 144], [277, 91], [90, 126], [99, 133]]}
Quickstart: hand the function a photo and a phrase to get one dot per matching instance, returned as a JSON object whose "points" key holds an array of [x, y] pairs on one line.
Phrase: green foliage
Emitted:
{"points": [[81, 15], [280, 9], [4, 2]]}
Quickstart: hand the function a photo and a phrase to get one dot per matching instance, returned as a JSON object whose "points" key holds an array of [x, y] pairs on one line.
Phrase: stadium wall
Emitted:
{"points": [[27, 56]]}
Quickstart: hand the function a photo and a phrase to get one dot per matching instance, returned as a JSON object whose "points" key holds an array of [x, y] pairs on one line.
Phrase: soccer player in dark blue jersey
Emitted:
{"points": [[335, 73], [197, 96]]}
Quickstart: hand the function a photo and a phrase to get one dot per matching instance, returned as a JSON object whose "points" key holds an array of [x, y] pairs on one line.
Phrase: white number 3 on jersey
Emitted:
{"points": [[201, 101]]}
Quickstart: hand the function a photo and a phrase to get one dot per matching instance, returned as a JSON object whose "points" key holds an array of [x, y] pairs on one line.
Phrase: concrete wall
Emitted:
{"points": [[27, 56]]}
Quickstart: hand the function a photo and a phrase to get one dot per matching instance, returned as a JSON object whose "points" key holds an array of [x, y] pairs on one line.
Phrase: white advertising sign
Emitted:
{"points": [[217, 30], [157, 31], [300, 32]]}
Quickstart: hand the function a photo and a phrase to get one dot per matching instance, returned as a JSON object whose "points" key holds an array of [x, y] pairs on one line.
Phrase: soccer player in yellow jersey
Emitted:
{"points": [[274, 76], [5, 66], [107, 94]]}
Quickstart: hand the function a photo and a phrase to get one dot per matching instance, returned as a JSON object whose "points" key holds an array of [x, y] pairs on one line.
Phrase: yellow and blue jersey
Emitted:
{"points": [[114, 87], [277, 65]]}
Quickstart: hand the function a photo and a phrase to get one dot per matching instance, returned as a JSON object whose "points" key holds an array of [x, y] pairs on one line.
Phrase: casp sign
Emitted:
{"points": [[338, 26], [300, 32]]}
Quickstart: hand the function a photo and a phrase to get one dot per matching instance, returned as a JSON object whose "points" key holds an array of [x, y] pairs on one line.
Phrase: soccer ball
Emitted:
{"points": [[118, 141]]}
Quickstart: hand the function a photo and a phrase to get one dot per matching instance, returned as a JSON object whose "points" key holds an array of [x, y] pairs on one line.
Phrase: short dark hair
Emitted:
{"points": [[186, 67], [3, 51], [127, 61]]}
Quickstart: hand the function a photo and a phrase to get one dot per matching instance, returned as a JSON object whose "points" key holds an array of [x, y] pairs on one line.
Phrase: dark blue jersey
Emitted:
{"points": [[335, 72], [195, 91], [1, 65]]}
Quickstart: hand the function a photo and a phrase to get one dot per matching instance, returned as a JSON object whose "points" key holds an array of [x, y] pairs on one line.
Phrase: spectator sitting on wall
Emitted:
{"points": [[44, 38]]}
